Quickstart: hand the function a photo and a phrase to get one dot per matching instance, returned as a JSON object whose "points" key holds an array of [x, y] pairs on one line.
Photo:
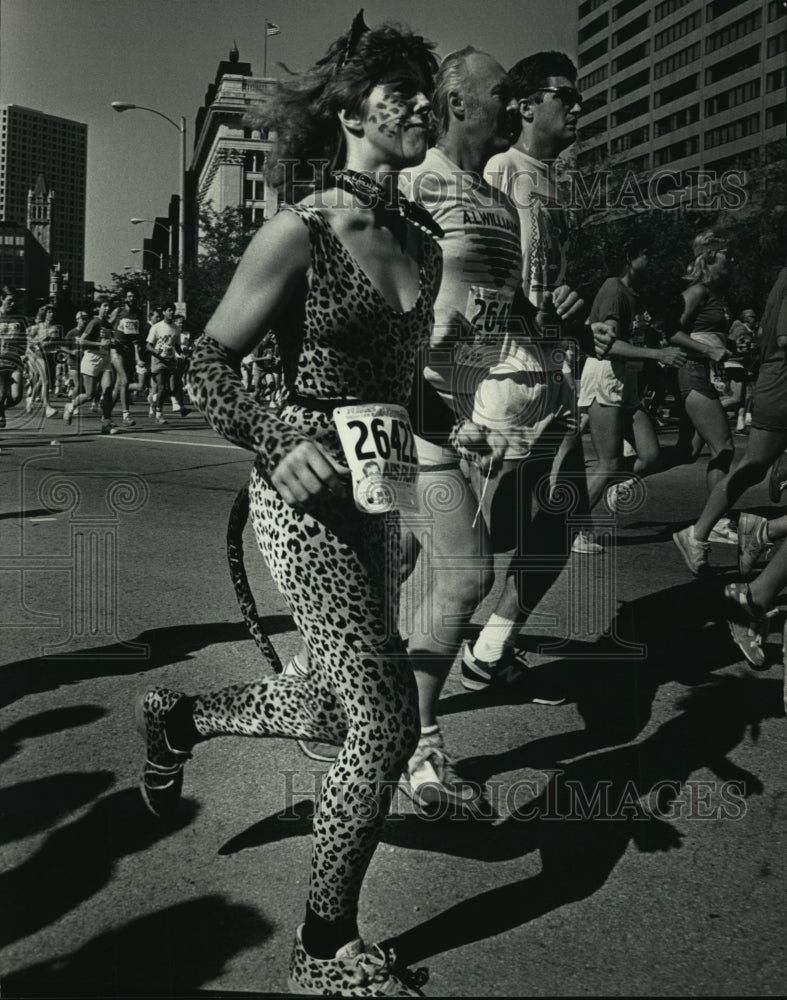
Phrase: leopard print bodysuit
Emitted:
{"points": [[336, 566]]}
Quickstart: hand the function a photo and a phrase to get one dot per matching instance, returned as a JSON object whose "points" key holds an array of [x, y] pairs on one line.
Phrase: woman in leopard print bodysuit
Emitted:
{"points": [[347, 283]]}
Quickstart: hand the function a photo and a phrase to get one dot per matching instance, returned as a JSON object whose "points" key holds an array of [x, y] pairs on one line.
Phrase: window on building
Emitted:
{"points": [[675, 90], [593, 28], [679, 29], [682, 58], [597, 76], [594, 52], [732, 32], [625, 7], [631, 29], [746, 59], [719, 7], [777, 44], [638, 163], [668, 7], [678, 119], [594, 128], [630, 139], [630, 84], [732, 130], [776, 8], [732, 98], [776, 80], [739, 161], [676, 151], [631, 56], [777, 115], [589, 6], [631, 111]]}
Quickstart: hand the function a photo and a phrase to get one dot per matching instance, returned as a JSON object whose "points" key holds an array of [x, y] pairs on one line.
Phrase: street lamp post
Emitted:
{"points": [[145, 250], [125, 106]]}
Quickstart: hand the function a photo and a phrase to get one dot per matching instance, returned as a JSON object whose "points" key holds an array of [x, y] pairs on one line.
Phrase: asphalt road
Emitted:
{"points": [[639, 845]]}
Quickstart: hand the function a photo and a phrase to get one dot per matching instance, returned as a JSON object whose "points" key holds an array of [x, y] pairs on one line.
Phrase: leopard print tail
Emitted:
{"points": [[239, 515]]}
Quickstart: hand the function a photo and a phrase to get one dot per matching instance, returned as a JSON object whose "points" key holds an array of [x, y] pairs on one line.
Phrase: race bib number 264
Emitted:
{"points": [[488, 310]]}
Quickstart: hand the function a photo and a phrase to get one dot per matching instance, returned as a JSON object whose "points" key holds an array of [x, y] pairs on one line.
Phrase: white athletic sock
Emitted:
{"points": [[495, 637], [430, 737]]}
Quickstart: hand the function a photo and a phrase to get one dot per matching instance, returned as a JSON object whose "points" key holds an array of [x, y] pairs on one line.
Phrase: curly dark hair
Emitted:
{"points": [[303, 108], [533, 72]]}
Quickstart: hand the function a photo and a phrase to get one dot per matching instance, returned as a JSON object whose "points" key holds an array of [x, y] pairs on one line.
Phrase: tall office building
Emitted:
{"points": [[683, 84], [33, 143], [229, 155]]}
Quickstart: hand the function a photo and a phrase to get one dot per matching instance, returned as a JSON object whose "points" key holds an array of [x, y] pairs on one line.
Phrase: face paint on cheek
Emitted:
{"points": [[389, 115]]}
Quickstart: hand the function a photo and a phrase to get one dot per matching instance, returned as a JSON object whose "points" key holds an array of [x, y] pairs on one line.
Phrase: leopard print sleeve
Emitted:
{"points": [[215, 385]]}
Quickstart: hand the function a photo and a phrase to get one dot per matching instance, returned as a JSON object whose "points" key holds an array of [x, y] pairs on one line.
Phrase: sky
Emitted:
{"points": [[72, 58]]}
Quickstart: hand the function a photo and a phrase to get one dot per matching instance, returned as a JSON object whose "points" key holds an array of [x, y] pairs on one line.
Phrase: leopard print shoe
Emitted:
{"points": [[355, 972], [162, 776]]}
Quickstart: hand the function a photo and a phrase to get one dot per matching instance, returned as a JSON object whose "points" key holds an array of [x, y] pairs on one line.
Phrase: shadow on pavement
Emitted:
{"points": [[165, 645], [592, 810], [31, 806], [54, 720], [685, 639], [19, 515], [170, 953], [77, 860], [584, 819]]}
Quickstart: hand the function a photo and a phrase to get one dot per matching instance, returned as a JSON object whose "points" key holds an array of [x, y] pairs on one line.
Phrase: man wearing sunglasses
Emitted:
{"points": [[548, 106]]}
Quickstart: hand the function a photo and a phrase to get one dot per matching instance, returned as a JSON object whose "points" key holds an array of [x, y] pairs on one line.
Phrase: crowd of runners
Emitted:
{"points": [[111, 361], [418, 293]]}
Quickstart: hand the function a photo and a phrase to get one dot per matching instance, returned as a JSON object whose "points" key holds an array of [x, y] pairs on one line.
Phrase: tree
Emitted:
{"points": [[611, 204], [223, 238], [152, 287]]}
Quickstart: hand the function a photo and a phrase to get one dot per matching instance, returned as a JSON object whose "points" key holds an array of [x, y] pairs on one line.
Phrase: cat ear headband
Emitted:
{"points": [[358, 29]]}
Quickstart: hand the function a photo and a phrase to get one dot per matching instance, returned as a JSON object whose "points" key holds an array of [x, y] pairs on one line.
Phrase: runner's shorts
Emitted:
{"points": [[695, 375], [769, 410], [610, 383], [94, 364]]}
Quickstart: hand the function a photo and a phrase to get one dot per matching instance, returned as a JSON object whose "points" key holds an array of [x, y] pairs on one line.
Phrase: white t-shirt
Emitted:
{"points": [[163, 338], [481, 272], [504, 379], [530, 184]]}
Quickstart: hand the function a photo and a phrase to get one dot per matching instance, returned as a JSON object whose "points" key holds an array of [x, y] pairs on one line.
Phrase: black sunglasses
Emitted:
{"points": [[569, 96]]}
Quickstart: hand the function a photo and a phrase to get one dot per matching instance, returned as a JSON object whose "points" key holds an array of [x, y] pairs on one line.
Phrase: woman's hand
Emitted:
{"points": [[672, 357], [307, 473]]}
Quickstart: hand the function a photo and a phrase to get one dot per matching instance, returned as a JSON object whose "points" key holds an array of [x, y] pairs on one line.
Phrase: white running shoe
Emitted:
{"points": [[752, 541], [694, 552], [585, 544], [724, 531]]}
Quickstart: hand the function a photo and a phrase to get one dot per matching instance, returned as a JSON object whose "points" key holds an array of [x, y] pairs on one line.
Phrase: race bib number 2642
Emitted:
{"points": [[379, 447]]}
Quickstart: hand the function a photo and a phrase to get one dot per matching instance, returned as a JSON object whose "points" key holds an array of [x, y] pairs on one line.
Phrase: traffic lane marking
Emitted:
{"points": [[189, 444]]}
